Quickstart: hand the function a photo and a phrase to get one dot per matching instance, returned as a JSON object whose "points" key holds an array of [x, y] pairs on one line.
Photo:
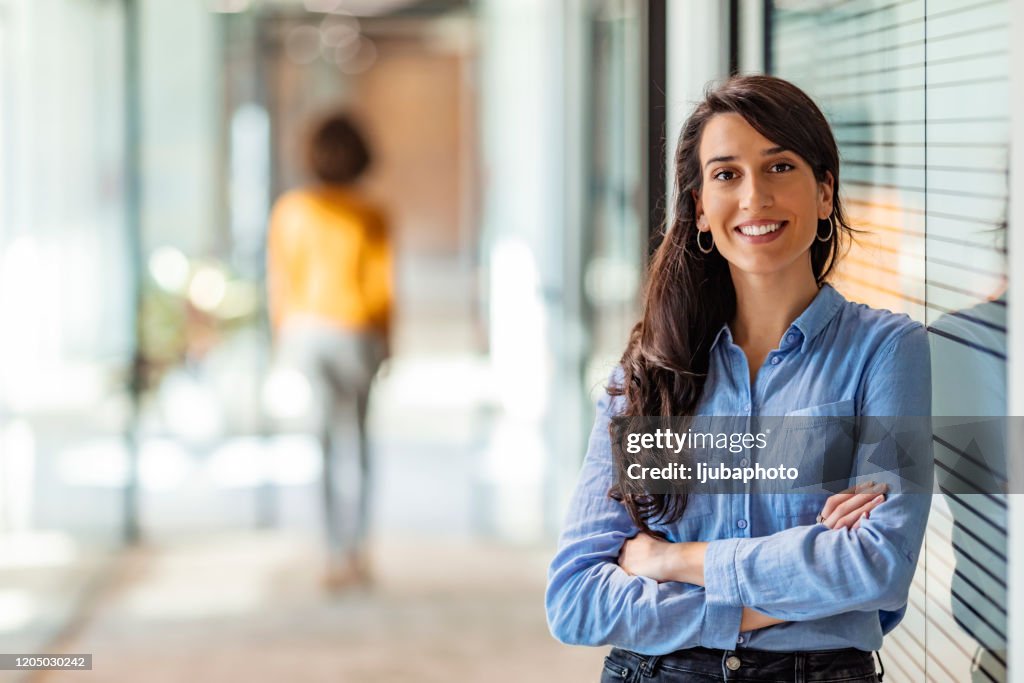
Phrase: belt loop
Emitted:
{"points": [[881, 674], [799, 666], [650, 665], [725, 670]]}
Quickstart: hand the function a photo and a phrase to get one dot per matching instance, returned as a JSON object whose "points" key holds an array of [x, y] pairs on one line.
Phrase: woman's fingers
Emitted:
{"points": [[837, 499], [852, 506], [853, 519], [644, 555], [878, 500], [852, 503], [832, 502]]}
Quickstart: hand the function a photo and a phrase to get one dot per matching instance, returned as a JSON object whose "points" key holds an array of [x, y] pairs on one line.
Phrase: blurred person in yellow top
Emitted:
{"points": [[330, 301]]}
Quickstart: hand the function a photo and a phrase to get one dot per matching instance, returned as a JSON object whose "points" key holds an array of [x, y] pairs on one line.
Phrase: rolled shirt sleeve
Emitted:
{"points": [[590, 600], [810, 572]]}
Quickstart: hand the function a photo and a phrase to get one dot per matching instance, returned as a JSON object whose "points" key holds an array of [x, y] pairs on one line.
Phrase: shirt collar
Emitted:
{"points": [[818, 313], [724, 331], [813, 320]]}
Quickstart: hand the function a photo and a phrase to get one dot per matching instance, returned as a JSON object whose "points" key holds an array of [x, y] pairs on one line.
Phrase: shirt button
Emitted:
{"points": [[742, 523], [790, 337], [776, 360], [740, 640], [744, 462], [747, 407]]}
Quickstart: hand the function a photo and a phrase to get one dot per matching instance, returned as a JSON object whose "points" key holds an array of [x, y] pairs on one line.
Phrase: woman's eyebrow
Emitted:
{"points": [[717, 159], [764, 152]]}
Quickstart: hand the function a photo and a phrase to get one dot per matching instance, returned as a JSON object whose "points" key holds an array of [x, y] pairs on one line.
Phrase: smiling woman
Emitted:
{"points": [[759, 193], [738, 319]]}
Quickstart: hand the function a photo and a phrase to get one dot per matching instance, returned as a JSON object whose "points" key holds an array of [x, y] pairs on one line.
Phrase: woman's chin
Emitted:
{"points": [[764, 264]]}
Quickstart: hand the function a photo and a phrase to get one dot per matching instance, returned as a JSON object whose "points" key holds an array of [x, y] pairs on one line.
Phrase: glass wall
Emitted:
{"points": [[601, 234], [917, 92], [614, 238]]}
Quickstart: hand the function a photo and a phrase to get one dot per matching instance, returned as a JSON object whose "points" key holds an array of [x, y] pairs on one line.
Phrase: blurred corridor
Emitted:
{"points": [[160, 492]]}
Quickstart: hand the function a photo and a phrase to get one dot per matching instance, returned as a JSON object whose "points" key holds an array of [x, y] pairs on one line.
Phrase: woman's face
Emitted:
{"points": [[760, 202]]}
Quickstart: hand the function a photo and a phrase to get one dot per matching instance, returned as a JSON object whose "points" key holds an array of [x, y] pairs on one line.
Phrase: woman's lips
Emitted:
{"points": [[762, 239]]}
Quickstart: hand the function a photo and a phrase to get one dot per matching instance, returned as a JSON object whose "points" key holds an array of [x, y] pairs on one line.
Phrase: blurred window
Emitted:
{"points": [[615, 237], [65, 301]]}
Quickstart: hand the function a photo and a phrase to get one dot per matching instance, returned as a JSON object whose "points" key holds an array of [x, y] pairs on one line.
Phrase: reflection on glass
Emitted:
{"points": [[969, 379], [923, 138]]}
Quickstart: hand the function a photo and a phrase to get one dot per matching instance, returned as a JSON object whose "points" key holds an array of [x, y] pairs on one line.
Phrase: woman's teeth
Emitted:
{"points": [[755, 230]]}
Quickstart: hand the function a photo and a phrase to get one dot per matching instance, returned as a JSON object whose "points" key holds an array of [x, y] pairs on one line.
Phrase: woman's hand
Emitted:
{"points": [[661, 560], [845, 510], [645, 555]]}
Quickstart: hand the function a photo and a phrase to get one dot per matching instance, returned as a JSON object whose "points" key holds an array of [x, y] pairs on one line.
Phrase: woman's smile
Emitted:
{"points": [[760, 232]]}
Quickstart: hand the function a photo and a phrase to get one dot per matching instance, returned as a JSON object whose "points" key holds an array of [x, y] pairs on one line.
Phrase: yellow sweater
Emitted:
{"points": [[328, 256]]}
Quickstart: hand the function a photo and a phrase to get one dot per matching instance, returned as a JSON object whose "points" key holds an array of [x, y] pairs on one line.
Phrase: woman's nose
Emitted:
{"points": [[756, 194]]}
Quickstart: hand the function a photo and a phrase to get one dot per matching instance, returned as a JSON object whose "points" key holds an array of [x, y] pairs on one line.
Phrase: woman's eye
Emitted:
{"points": [[724, 175], [781, 167]]}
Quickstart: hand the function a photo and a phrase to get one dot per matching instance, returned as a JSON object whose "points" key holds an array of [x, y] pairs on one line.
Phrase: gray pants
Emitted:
{"points": [[339, 366]]}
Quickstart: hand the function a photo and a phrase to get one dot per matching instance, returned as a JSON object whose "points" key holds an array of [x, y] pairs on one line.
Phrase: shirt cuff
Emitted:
{"points": [[723, 606], [720, 579], [721, 627]]}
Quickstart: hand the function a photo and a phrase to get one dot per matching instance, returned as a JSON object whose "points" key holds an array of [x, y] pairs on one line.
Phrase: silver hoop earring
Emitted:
{"points": [[709, 249], [831, 231]]}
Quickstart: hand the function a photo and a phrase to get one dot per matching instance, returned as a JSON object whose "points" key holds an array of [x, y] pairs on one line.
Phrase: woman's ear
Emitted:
{"points": [[698, 205], [826, 189]]}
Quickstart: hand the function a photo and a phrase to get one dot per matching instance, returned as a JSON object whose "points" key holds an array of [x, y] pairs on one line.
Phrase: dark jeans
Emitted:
{"points": [[701, 665]]}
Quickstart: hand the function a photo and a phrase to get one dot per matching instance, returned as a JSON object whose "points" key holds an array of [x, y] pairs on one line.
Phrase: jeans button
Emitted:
{"points": [[733, 663]]}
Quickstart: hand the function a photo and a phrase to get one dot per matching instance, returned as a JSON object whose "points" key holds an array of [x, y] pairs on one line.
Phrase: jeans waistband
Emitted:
{"points": [[817, 665]]}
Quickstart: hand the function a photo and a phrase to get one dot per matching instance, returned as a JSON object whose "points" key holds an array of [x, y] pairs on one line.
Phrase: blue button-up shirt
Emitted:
{"points": [[834, 588]]}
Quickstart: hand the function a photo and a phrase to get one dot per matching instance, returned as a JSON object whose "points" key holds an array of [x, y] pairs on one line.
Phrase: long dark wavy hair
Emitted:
{"points": [[689, 295]]}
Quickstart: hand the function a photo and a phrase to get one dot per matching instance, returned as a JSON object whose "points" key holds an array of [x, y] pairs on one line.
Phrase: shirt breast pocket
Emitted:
{"points": [[694, 522], [820, 443]]}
